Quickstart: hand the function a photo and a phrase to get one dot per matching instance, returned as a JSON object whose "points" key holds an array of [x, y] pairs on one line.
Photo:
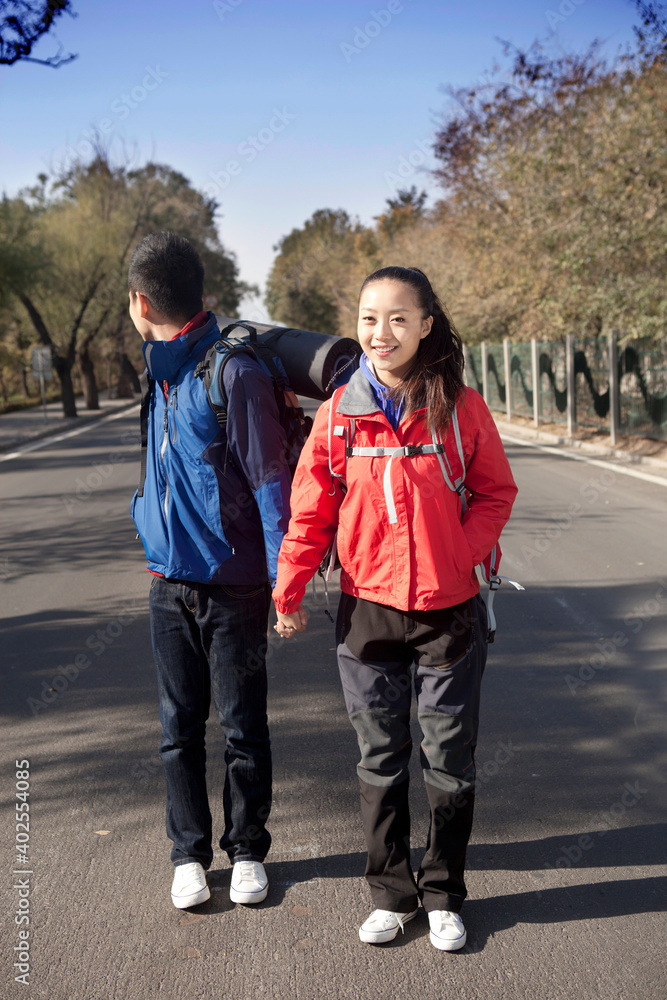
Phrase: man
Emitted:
{"points": [[211, 509]]}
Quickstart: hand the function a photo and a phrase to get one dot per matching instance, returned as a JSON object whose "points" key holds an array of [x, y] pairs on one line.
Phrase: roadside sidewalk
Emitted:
{"points": [[638, 451], [22, 426]]}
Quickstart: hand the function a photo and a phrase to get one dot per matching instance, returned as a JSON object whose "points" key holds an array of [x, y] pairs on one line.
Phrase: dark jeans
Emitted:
{"points": [[212, 640], [378, 693]]}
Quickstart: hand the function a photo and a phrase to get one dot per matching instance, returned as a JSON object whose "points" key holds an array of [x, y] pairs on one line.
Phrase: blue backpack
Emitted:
{"points": [[292, 418]]}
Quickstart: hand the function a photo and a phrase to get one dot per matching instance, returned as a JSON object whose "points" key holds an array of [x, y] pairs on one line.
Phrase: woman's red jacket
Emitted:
{"points": [[426, 558]]}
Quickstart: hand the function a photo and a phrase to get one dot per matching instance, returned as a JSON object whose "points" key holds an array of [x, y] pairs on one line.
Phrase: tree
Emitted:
{"points": [[23, 24], [306, 283], [651, 33], [21, 256], [86, 221], [403, 210], [553, 217], [554, 178]]}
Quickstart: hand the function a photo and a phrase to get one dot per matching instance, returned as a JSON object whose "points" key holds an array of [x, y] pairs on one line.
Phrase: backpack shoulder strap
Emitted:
{"points": [[146, 383], [340, 429], [211, 371], [455, 484]]}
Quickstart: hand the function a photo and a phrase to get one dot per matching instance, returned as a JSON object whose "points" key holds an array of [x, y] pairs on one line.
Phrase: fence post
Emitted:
{"points": [[569, 369], [485, 373], [466, 364], [536, 381], [508, 387], [614, 396]]}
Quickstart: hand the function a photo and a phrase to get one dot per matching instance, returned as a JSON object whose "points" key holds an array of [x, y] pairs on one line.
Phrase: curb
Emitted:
{"points": [[589, 448]]}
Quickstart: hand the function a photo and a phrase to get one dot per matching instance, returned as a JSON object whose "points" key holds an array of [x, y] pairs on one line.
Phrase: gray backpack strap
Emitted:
{"points": [[336, 430], [455, 485], [491, 580], [329, 563]]}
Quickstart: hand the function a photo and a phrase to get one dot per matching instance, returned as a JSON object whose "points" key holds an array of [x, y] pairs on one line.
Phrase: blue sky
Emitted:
{"points": [[276, 108]]}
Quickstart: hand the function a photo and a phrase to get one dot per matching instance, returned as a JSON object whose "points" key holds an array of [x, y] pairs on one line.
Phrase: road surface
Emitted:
{"points": [[566, 868]]}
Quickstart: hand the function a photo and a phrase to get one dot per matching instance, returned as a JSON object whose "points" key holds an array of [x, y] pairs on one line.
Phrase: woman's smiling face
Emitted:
{"points": [[390, 327]]}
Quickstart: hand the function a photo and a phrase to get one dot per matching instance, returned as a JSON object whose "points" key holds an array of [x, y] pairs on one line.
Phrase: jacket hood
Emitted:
{"points": [[165, 358]]}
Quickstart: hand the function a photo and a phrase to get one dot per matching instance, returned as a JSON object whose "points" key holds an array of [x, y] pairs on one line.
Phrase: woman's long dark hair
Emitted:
{"points": [[436, 378]]}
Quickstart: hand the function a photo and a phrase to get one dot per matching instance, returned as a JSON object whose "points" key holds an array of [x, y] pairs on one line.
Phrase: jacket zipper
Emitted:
{"points": [[174, 403], [163, 448]]}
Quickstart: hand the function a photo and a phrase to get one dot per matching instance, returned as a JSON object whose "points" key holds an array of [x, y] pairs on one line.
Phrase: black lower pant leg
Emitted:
{"points": [[448, 708], [441, 874], [386, 822]]}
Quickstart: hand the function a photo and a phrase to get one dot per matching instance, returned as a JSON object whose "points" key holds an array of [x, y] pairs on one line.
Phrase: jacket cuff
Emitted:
{"points": [[287, 607]]}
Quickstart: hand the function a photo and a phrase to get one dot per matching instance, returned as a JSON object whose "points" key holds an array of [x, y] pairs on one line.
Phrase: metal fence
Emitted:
{"points": [[587, 382], [643, 390]]}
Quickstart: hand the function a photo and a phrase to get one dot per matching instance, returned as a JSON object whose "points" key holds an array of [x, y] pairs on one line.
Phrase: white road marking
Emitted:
{"points": [[564, 453], [43, 442]]}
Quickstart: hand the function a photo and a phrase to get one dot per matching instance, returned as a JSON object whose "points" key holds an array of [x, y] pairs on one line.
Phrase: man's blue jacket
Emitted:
{"points": [[214, 505]]}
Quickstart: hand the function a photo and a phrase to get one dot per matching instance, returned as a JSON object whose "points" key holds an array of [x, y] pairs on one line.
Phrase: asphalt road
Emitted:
{"points": [[566, 868]]}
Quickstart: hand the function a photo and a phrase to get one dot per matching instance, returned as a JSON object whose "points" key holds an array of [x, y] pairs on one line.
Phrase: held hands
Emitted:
{"points": [[288, 625]]}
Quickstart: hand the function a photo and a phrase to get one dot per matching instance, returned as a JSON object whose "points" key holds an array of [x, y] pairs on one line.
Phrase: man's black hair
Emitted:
{"points": [[167, 269]]}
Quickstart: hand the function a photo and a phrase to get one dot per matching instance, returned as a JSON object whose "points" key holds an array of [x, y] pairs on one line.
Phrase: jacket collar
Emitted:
{"points": [[358, 398], [165, 358]]}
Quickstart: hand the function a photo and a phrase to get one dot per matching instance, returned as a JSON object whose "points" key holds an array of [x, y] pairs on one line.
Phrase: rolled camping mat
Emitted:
{"points": [[316, 363]]}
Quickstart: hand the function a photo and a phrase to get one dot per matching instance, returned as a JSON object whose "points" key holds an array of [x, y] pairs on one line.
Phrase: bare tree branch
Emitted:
{"points": [[23, 24]]}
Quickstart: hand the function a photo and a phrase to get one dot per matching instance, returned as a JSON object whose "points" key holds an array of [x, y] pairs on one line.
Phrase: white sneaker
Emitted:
{"points": [[249, 882], [189, 886], [447, 930], [383, 925]]}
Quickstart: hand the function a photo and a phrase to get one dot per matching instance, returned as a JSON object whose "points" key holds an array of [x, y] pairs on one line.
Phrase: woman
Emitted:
{"points": [[380, 468]]}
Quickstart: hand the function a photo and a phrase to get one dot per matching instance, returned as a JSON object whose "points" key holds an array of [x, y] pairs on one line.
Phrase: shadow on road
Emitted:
{"points": [[591, 901], [483, 917], [626, 846]]}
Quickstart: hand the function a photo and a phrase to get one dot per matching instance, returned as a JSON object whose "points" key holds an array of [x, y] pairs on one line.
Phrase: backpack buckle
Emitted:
{"points": [[411, 450]]}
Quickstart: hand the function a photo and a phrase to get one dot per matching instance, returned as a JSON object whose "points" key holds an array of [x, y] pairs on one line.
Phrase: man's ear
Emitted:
{"points": [[145, 307]]}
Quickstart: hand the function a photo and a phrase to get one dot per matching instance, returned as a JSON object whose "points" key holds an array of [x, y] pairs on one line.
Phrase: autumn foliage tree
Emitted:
{"points": [[554, 179], [553, 214]]}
